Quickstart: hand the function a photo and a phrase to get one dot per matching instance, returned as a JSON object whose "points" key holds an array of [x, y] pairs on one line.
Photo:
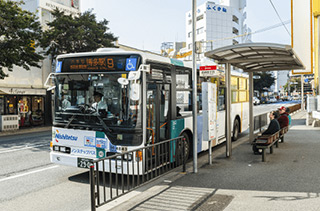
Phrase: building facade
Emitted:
{"points": [[219, 23], [23, 95]]}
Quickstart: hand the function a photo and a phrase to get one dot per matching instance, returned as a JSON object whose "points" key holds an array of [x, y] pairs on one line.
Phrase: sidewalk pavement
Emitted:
{"points": [[26, 130], [289, 180]]}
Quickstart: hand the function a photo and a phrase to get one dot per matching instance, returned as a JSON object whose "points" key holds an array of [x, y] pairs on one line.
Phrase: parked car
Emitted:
{"points": [[256, 101], [272, 100], [264, 100], [296, 97]]}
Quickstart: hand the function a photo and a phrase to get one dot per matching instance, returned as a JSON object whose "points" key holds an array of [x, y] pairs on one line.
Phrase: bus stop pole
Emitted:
{"points": [[228, 110], [194, 88], [251, 122]]}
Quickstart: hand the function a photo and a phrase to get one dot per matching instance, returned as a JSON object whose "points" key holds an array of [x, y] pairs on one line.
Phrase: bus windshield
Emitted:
{"points": [[96, 102]]}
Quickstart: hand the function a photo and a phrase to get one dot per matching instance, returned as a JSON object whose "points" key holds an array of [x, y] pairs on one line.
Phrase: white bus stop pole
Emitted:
{"points": [[194, 88], [251, 121], [228, 110]]}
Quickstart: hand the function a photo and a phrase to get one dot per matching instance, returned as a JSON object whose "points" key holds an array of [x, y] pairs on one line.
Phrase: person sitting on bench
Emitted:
{"points": [[273, 127], [283, 119]]}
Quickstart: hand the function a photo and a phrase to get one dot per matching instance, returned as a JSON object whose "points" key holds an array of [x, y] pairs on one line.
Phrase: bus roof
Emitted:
{"points": [[116, 51]]}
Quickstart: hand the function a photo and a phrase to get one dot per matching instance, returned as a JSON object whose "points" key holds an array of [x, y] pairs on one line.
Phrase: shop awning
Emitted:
{"points": [[22, 91], [253, 57]]}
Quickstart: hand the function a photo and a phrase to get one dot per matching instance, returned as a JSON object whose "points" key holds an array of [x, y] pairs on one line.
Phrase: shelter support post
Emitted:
{"points": [[251, 123], [316, 45], [194, 88], [228, 110], [302, 93]]}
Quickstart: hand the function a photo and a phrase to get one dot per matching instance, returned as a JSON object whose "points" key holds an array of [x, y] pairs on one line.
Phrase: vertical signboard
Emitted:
{"points": [[209, 109], [302, 33]]}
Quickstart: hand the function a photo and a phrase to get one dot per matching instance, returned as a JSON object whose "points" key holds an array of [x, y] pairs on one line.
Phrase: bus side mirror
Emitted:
{"points": [[123, 81], [134, 75]]}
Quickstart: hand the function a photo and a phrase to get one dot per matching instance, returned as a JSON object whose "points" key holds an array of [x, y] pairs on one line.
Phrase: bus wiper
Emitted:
{"points": [[104, 126], [71, 119]]}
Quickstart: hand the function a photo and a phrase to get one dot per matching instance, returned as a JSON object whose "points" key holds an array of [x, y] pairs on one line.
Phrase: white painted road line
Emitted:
{"points": [[25, 147], [27, 173]]}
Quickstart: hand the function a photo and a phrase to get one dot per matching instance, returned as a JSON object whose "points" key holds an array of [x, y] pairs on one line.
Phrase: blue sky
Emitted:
{"points": [[145, 24]]}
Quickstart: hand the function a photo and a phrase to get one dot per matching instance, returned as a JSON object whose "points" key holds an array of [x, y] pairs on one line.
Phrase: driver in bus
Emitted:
{"points": [[99, 103]]}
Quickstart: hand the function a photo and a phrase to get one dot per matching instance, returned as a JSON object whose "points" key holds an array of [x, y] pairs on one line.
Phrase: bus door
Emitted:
{"points": [[157, 112]]}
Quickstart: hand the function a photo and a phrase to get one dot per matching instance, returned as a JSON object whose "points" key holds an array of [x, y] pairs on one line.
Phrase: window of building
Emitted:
{"points": [[200, 17], [235, 31], [189, 34], [235, 19], [235, 42], [11, 105], [1, 105], [200, 30], [190, 22], [190, 46]]}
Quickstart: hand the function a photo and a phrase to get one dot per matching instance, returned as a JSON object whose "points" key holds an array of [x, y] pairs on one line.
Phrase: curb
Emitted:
{"points": [[26, 131]]}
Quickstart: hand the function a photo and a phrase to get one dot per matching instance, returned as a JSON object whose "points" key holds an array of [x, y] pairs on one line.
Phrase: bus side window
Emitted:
{"points": [[221, 99]]}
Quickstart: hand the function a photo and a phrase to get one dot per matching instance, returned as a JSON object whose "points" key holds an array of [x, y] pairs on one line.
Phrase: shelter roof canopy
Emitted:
{"points": [[253, 57]]}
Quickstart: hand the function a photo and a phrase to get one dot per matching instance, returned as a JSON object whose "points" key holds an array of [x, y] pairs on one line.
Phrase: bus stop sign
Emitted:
{"points": [[209, 71]]}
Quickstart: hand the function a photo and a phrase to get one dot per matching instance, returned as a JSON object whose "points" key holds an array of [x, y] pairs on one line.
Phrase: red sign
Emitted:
{"points": [[212, 67]]}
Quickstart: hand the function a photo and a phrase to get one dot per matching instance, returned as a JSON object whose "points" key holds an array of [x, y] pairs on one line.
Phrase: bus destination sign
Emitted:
{"points": [[97, 64]]}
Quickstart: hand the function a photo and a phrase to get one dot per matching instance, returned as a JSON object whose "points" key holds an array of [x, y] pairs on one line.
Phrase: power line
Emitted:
{"points": [[279, 17]]}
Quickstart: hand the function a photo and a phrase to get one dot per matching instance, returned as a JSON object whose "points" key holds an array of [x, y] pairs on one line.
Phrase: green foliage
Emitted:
{"points": [[71, 34], [266, 81], [18, 30]]}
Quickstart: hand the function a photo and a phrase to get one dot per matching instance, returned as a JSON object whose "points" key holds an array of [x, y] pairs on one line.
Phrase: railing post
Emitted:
{"points": [[92, 188], [260, 123], [183, 156]]}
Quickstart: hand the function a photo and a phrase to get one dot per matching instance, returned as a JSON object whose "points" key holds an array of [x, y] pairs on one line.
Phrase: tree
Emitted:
{"points": [[71, 34], [19, 33], [266, 80]]}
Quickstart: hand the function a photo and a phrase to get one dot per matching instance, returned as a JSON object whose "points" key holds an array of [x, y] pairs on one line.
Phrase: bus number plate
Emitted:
{"points": [[84, 162]]}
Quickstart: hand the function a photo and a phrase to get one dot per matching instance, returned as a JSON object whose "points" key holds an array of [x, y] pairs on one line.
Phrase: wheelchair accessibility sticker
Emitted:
{"points": [[58, 67], [131, 64]]}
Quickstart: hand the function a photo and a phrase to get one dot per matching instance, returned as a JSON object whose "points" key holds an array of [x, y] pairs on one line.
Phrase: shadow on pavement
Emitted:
{"points": [[293, 167]]}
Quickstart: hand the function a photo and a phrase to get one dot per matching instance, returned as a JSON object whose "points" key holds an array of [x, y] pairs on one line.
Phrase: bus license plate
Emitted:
{"points": [[84, 162]]}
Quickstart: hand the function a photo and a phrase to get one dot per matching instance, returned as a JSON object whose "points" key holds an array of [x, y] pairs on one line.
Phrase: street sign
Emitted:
{"points": [[306, 80], [209, 71], [211, 67]]}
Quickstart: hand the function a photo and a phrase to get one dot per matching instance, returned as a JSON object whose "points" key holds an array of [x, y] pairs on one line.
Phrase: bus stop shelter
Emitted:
{"points": [[252, 57]]}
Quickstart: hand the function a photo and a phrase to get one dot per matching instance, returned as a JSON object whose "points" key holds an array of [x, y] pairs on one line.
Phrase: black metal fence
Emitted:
{"points": [[260, 121], [120, 173]]}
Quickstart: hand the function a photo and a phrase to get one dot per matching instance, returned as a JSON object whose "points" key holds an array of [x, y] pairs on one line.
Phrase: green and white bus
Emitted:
{"points": [[147, 99]]}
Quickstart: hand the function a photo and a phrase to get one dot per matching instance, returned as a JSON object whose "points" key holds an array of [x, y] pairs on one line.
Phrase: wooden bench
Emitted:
{"points": [[282, 132], [265, 142]]}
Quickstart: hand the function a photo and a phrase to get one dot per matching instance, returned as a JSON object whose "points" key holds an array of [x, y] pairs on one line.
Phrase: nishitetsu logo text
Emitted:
{"points": [[66, 137]]}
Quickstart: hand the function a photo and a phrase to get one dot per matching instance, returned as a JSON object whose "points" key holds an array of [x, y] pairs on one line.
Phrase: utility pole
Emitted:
{"points": [[194, 87]]}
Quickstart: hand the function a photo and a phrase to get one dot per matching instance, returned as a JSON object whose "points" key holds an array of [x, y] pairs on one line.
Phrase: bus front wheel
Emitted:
{"points": [[236, 130]]}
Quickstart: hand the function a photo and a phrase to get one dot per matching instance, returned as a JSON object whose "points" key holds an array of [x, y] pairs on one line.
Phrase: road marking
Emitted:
{"points": [[27, 173], [26, 147]]}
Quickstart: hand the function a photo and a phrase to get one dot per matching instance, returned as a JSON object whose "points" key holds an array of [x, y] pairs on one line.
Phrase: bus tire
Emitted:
{"points": [[236, 130]]}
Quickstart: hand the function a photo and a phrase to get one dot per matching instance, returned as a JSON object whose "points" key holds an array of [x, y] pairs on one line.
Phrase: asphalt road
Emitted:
{"points": [[28, 181]]}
